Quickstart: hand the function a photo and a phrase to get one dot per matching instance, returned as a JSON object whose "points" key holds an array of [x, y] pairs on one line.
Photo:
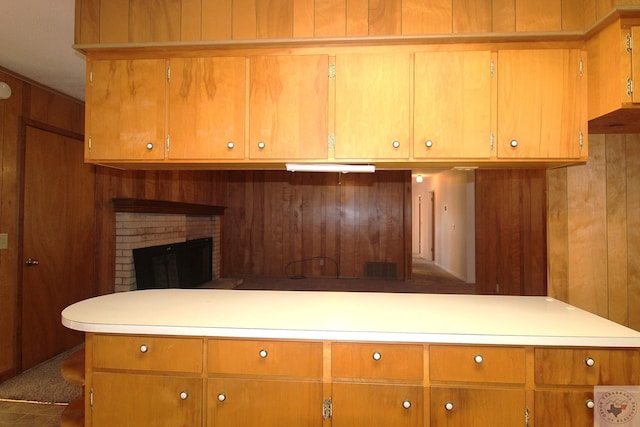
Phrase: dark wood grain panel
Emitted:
{"points": [[511, 232]]}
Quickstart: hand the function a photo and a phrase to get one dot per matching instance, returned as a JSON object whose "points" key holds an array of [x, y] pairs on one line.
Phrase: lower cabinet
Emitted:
{"points": [[128, 399], [263, 402], [377, 405], [564, 408], [478, 407]]}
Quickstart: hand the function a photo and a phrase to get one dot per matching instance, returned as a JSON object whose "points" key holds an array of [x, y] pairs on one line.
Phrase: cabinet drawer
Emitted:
{"points": [[256, 357], [380, 361], [584, 366], [477, 364], [478, 407], [147, 353]]}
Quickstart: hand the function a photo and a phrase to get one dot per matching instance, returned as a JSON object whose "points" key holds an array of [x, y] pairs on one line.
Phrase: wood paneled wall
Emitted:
{"points": [[276, 218], [203, 187], [129, 21], [28, 103], [594, 230], [511, 251]]}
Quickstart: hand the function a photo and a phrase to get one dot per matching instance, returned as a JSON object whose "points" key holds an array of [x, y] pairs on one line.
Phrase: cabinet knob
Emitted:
{"points": [[396, 144], [149, 146], [448, 406], [376, 355], [406, 404], [589, 361], [230, 145], [428, 143], [144, 348], [263, 353], [589, 403], [31, 262], [478, 358], [184, 395], [222, 397], [513, 143], [261, 145]]}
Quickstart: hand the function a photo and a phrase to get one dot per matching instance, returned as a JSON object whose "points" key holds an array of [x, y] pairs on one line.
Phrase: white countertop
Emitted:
{"points": [[359, 316]]}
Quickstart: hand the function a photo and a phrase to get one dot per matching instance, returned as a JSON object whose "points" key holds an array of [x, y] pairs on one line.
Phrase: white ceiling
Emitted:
{"points": [[36, 38]]}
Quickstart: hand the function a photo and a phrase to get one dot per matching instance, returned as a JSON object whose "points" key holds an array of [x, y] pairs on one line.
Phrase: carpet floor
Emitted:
{"points": [[43, 383]]}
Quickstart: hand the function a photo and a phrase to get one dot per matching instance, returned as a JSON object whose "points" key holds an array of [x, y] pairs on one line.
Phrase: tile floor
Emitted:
{"points": [[25, 414]]}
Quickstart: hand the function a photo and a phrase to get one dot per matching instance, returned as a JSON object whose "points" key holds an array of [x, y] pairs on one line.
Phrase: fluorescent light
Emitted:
{"points": [[329, 167]]}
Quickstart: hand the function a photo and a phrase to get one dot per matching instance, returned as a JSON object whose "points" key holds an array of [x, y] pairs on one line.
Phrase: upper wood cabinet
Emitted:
{"points": [[373, 97], [206, 108], [540, 104], [452, 104], [125, 110], [288, 98], [614, 76]]}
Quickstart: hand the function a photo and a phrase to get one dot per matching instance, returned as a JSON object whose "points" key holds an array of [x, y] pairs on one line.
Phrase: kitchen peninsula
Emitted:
{"points": [[243, 358]]}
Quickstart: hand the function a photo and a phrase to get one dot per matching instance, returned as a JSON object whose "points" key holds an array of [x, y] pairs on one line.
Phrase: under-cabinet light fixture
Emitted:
{"points": [[329, 167]]}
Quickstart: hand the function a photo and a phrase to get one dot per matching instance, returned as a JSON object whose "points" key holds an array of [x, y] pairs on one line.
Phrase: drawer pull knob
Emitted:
{"points": [[513, 143], [478, 358], [144, 348], [263, 353], [589, 361], [230, 145], [149, 146], [261, 145], [406, 404], [448, 406], [589, 403], [396, 144], [222, 397], [376, 355], [184, 395], [428, 143]]}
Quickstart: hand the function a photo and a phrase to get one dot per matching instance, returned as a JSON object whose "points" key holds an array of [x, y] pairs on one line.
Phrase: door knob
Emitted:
{"points": [[31, 262]]}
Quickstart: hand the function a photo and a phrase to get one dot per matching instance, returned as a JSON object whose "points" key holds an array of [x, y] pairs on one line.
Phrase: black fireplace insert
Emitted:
{"points": [[177, 265]]}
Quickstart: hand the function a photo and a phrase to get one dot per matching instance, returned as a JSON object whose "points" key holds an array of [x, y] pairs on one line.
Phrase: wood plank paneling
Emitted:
{"points": [[192, 20], [357, 17], [244, 19], [633, 229], [542, 15], [557, 233], [504, 16], [472, 16], [511, 232], [216, 19], [422, 17], [275, 219], [577, 14], [303, 18], [114, 21], [154, 20], [385, 17], [87, 22], [330, 18], [274, 19]]}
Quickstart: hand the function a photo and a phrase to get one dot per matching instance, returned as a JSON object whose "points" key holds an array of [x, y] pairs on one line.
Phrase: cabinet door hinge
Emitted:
{"points": [[91, 77], [91, 396], [581, 140], [629, 87], [89, 144], [327, 409], [167, 142], [629, 43], [526, 416], [331, 141], [332, 71], [491, 141], [492, 68], [581, 67], [169, 73]]}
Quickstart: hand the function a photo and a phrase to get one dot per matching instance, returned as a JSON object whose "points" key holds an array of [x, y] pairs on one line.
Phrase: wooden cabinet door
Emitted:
{"points": [[234, 402], [288, 99], [539, 104], [377, 405], [122, 399], [564, 408], [452, 105], [125, 110], [373, 96], [478, 407], [206, 108]]}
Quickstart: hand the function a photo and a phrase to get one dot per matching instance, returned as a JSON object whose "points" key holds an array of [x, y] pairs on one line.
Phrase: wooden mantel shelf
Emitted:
{"points": [[165, 207]]}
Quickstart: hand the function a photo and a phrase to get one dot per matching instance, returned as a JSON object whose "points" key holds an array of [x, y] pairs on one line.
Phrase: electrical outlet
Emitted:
{"points": [[321, 262], [4, 240]]}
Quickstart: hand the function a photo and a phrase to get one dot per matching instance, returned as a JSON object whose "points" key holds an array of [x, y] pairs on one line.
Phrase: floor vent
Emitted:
{"points": [[381, 270]]}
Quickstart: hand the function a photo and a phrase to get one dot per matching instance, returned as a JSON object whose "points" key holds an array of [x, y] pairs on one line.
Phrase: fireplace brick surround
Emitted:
{"points": [[144, 223]]}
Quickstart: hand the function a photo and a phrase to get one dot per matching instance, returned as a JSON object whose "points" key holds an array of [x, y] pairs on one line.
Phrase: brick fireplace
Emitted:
{"points": [[145, 223]]}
